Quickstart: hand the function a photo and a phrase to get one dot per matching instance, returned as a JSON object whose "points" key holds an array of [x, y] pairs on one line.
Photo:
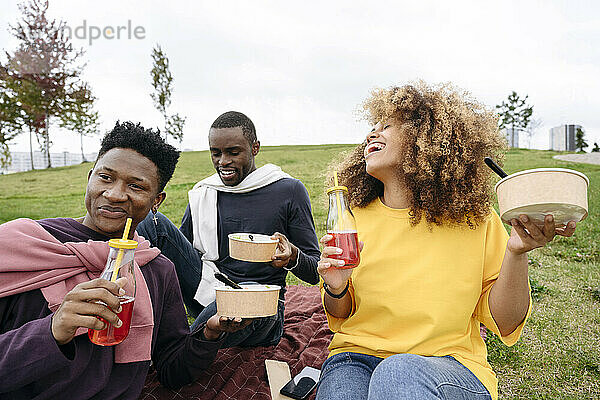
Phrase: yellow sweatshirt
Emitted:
{"points": [[423, 290]]}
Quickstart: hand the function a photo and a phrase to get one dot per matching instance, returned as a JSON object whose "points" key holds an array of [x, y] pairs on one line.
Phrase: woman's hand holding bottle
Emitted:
{"points": [[329, 268]]}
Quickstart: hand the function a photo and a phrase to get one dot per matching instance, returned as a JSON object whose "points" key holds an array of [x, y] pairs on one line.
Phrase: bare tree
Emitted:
{"points": [[531, 129]]}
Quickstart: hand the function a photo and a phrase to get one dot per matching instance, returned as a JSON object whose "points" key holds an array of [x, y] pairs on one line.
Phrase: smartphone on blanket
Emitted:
{"points": [[300, 386]]}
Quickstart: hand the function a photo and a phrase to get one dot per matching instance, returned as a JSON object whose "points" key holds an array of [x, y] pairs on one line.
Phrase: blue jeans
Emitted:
{"points": [[188, 264], [354, 376]]}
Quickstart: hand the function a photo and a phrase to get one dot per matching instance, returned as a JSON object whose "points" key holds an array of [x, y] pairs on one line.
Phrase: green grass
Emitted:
{"points": [[558, 356]]}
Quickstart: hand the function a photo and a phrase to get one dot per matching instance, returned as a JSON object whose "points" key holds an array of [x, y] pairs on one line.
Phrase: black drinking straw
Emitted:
{"points": [[495, 167], [223, 278]]}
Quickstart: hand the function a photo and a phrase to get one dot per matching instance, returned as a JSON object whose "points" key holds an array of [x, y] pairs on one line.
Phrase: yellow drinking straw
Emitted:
{"points": [[121, 252], [339, 204]]}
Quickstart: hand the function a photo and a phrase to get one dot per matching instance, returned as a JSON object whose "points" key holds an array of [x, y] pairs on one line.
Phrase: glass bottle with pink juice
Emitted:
{"points": [[118, 265], [342, 226]]}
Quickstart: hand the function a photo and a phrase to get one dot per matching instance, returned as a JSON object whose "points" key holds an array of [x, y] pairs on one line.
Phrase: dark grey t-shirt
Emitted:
{"points": [[282, 206]]}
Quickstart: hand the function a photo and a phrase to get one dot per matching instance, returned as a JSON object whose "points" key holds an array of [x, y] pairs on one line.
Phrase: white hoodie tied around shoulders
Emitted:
{"points": [[203, 207]]}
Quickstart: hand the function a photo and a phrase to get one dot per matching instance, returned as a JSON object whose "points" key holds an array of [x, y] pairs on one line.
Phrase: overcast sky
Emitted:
{"points": [[300, 69]]}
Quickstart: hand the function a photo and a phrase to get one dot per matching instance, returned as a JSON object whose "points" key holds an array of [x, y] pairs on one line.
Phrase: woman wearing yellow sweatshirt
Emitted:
{"points": [[437, 261]]}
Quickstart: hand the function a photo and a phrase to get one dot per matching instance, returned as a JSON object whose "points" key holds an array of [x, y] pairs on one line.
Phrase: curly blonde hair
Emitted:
{"points": [[446, 135]]}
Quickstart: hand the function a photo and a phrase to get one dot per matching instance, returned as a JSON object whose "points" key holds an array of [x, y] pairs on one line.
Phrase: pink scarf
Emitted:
{"points": [[33, 259]]}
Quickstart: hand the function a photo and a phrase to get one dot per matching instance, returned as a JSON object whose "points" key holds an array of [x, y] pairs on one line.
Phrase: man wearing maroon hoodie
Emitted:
{"points": [[46, 307]]}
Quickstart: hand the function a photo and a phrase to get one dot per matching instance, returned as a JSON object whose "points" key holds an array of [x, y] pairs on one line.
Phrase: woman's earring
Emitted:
{"points": [[154, 211]]}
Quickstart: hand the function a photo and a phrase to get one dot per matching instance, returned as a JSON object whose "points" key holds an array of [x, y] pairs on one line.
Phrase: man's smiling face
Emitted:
{"points": [[231, 154], [122, 184]]}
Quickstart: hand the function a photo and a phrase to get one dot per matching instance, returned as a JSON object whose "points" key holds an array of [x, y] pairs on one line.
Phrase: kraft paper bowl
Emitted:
{"points": [[252, 301], [252, 247], [539, 192]]}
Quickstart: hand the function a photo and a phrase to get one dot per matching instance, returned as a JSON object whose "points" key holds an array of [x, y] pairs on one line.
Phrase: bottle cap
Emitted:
{"points": [[337, 188], [122, 244]]}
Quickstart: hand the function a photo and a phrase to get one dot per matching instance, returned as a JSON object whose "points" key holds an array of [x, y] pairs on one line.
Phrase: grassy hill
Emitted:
{"points": [[558, 356]]}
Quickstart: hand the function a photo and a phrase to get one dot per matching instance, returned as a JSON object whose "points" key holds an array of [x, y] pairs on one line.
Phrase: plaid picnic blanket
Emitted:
{"points": [[239, 373]]}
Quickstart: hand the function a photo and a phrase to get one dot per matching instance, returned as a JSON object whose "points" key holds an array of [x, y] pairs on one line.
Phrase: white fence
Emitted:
{"points": [[21, 160]]}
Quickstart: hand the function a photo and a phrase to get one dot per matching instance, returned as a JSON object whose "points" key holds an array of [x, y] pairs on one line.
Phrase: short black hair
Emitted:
{"points": [[233, 119], [148, 143]]}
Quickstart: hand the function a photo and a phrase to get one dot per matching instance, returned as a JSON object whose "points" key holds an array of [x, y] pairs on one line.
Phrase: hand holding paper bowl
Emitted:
{"points": [[536, 193], [252, 247], [252, 301], [540, 203]]}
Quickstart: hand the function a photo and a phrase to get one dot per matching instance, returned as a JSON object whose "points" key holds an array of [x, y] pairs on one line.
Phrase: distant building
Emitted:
{"points": [[21, 160], [562, 138], [512, 136]]}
